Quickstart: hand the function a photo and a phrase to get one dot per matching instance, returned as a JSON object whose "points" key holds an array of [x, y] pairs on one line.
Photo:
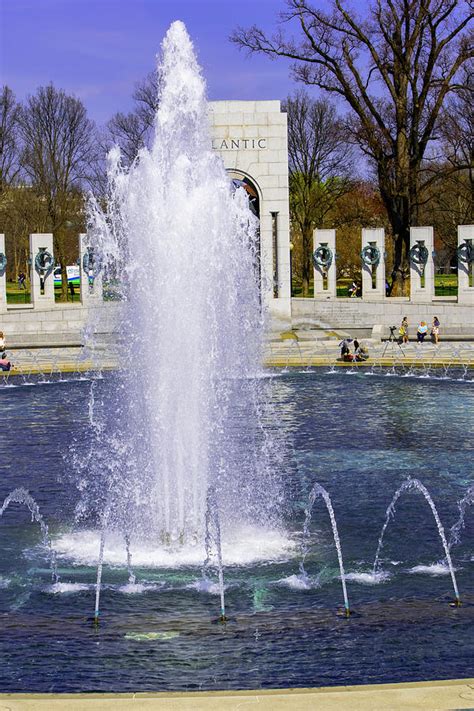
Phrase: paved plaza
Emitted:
{"points": [[288, 350], [291, 350], [439, 695]]}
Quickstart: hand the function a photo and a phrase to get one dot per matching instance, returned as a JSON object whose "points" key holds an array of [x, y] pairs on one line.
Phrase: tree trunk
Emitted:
{"points": [[60, 258], [306, 269], [16, 269], [401, 236]]}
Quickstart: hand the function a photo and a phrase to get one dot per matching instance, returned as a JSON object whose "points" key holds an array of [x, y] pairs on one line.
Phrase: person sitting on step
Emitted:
{"points": [[5, 364], [421, 332]]}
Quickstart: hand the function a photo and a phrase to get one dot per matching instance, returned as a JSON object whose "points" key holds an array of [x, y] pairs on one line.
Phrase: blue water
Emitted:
{"points": [[359, 437]]}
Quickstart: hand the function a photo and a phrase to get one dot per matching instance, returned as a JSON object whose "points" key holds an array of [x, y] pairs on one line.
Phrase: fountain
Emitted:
{"points": [[176, 457], [181, 246]]}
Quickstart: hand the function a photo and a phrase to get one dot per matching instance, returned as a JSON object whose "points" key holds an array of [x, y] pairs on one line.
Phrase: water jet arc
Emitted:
{"points": [[390, 513], [455, 532], [316, 492], [213, 535], [23, 496]]}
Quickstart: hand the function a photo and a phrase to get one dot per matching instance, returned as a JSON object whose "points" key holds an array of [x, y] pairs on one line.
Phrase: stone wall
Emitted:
{"points": [[358, 315], [62, 324]]}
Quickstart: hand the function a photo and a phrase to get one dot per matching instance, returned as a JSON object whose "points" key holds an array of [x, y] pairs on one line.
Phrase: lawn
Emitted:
{"points": [[445, 285], [16, 295]]}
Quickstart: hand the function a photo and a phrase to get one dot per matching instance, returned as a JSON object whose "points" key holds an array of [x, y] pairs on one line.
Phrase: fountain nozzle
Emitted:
{"points": [[95, 622], [222, 619], [455, 603]]}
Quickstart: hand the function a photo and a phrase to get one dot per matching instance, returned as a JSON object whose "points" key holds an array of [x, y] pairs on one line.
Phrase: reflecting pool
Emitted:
{"points": [[359, 437]]}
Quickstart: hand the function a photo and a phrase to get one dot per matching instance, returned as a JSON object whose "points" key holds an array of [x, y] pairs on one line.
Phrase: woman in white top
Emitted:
{"points": [[2, 342]]}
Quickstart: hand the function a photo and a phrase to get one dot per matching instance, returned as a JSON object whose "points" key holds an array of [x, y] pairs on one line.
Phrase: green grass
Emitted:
{"points": [[15, 295], [445, 285], [342, 288]]}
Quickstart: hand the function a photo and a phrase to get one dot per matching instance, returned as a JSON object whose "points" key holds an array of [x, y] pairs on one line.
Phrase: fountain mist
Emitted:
{"points": [[184, 413]]}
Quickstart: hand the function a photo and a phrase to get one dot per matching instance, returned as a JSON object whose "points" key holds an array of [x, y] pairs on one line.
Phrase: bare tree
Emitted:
{"points": [[457, 126], [134, 130], [9, 148], [394, 68], [58, 160], [21, 211], [448, 196], [320, 163]]}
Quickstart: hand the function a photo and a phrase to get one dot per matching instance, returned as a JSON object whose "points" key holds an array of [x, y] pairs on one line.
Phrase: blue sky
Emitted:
{"points": [[98, 49]]}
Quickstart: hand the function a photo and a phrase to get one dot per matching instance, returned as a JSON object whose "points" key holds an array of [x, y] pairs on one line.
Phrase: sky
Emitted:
{"points": [[98, 49]]}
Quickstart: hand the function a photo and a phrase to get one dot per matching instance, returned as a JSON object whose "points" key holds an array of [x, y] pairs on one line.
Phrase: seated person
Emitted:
{"points": [[361, 353], [421, 332], [344, 348], [5, 363]]}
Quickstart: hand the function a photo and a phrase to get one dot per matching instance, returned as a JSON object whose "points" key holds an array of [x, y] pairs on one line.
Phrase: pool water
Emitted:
{"points": [[358, 436]]}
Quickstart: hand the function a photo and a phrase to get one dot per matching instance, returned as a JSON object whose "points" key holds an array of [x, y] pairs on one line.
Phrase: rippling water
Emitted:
{"points": [[357, 436]]}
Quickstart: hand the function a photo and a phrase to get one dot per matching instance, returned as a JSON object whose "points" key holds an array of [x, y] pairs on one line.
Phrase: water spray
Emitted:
{"points": [[316, 492], [406, 486], [22, 496], [213, 535], [99, 570], [131, 575], [455, 532]]}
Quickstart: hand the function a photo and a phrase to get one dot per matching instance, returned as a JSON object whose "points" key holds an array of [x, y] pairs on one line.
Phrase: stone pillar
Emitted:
{"points": [[373, 286], [325, 238], [251, 137], [42, 281], [283, 255], [3, 276], [465, 269], [91, 277], [422, 276]]}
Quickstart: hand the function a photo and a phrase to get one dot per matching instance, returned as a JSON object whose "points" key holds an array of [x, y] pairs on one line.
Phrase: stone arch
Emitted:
{"points": [[237, 174], [252, 187]]}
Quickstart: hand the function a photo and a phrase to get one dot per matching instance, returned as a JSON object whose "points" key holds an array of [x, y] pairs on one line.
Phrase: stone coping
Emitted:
{"points": [[277, 362], [450, 694], [385, 362]]}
